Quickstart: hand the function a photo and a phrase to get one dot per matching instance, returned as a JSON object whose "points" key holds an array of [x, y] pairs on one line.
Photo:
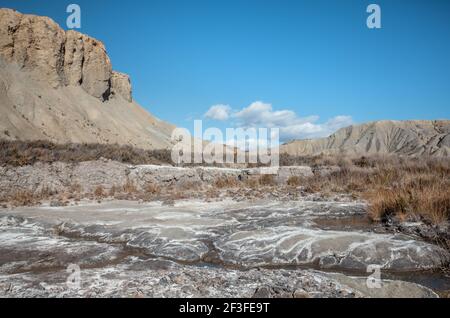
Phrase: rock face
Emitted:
{"points": [[88, 64], [121, 84], [412, 138], [33, 43], [60, 86], [62, 58]]}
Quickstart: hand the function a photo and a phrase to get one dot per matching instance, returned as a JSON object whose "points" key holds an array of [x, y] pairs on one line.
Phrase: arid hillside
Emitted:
{"points": [[60, 86], [412, 138]]}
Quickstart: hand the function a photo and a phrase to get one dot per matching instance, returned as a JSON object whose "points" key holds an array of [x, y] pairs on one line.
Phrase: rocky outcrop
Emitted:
{"points": [[60, 86], [33, 43], [87, 64], [38, 44], [121, 85], [59, 176], [412, 138]]}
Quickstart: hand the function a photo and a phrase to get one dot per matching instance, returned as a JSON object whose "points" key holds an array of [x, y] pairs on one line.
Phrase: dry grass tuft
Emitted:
{"points": [[252, 183], [429, 202], [23, 198], [152, 188], [227, 182], [99, 192], [294, 181], [267, 180], [129, 187]]}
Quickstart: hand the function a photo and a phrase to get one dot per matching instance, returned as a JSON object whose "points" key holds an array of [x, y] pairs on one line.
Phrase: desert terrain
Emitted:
{"points": [[87, 182]]}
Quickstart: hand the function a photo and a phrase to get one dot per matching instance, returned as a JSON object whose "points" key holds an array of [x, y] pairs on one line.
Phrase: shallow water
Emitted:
{"points": [[325, 236]]}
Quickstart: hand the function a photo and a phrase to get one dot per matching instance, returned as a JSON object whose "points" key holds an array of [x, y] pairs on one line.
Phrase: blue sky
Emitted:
{"points": [[304, 62]]}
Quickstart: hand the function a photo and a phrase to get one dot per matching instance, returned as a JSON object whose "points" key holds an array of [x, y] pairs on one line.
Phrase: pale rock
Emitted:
{"points": [[97, 70], [40, 45], [34, 43], [121, 85]]}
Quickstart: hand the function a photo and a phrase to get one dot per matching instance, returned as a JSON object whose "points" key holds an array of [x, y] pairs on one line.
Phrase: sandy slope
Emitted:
{"points": [[31, 109]]}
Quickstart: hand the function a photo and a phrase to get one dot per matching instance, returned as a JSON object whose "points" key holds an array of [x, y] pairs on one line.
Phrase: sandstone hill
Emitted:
{"points": [[410, 138], [59, 85]]}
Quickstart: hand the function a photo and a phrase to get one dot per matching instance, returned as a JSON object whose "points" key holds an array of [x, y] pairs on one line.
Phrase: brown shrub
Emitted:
{"points": [[430, 203], [411, 188], [362, 162], [99, 192], [152, 188], [211, 193], [179, 195], [252, 183], [187, 186], [23, 198], [129, 187], [267, 180], [385, 203], [294, 181], [435, 205], [227, 182]]}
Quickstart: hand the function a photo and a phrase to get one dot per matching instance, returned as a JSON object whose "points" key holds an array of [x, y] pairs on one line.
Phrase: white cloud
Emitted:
{"points": [[312, 129], [292, 126], [219, 112], [260, 114], [339, 122]]}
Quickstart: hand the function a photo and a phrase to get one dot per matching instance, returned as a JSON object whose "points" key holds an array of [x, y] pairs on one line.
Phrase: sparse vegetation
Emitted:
{"points": [[267, 180], [129, 187], [152, 188], [294, 181], [393, 186], [20, 153], [99, 192], [227, 182], [23, 198]]}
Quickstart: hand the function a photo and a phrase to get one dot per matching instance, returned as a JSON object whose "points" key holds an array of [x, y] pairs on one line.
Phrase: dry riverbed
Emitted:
{"points": [[223, 248]]}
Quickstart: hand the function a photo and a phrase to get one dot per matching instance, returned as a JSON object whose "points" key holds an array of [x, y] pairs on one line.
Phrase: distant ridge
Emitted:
{"points": [[59, 85], [411, 138]]}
